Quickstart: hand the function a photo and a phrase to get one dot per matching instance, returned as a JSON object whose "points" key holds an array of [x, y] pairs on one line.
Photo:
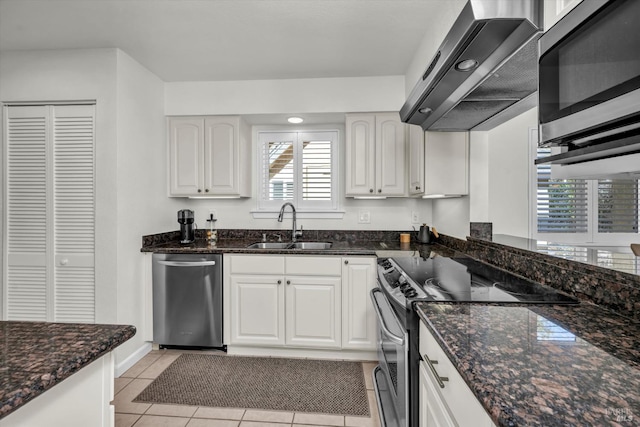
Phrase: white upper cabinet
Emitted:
{"points": [[375, 155], [446, 164], [209, 156], [416, 160]]}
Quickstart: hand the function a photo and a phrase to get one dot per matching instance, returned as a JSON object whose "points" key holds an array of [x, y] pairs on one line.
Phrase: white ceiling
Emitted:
{"points": [[204, 40]]}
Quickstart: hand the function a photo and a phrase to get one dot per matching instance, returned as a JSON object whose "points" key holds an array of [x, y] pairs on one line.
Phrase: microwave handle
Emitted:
{"points": [[394, 338]]}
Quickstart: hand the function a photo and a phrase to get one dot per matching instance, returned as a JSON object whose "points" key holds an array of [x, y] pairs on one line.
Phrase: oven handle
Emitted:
{"points": [[394, 338]]}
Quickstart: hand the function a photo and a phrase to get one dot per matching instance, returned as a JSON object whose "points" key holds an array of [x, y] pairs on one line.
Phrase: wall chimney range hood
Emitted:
{"points": [[484, 72]]}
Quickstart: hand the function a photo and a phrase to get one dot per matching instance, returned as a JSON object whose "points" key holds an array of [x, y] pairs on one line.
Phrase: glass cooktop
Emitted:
{"points": [[463, 280]]}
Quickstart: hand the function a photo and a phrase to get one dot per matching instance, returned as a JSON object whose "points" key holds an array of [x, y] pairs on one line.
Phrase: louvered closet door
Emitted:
{"points": [[74, 219], [50, 213], [27, 139]]}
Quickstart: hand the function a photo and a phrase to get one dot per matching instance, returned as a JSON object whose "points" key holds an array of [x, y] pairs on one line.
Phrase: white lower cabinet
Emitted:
{"points": [[358, 319], [445, 399], [257, 309], [312, 309], [299, 301]]}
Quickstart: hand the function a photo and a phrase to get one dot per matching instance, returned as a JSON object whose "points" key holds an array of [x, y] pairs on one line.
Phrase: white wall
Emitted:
{"points": [[130, 161], [326, 95], [141, 193], [509, 162], [294, 96], [78, 75]]}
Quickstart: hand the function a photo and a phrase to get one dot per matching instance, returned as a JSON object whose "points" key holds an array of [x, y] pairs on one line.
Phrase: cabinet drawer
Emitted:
{"points": [[314, 265], [457, 395], [256, 264]]}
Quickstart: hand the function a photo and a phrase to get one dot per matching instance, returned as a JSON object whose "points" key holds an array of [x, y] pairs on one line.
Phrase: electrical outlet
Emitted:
{"points": [[364, 217], [415, 217]]}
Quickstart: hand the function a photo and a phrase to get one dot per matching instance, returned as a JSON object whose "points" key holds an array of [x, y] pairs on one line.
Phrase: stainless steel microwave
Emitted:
{"points": [[589, 82]]}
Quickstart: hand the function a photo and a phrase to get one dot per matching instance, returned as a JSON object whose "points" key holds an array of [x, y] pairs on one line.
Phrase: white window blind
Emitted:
{"points": [[299, 167], [605, 211], [618, 206], [562, 205]]}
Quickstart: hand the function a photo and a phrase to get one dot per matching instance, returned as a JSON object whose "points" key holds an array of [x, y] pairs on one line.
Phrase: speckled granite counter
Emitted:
{"points": [[365, 243], [35, 356], [543, 365]]}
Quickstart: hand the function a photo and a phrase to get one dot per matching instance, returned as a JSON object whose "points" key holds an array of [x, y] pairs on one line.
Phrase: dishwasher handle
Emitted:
{"points": [[187, 263]]}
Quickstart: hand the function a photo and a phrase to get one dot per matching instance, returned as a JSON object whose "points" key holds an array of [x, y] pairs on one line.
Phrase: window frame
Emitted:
{"points": [[305, 209], [592, 237]]}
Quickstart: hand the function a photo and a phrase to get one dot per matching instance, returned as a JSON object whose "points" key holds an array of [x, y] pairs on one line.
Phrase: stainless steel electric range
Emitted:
{"points": [[405, 280]]}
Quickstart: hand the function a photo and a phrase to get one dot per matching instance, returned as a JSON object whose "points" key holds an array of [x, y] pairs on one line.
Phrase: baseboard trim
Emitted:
{"points": [[127, 363], [305, 353]]}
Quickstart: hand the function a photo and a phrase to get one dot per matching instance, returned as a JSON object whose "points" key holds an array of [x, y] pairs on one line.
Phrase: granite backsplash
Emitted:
{"points": [[614, 290]]}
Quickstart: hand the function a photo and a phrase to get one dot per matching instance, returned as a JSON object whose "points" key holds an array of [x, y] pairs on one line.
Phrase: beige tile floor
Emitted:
{"points": [[130, 414]]}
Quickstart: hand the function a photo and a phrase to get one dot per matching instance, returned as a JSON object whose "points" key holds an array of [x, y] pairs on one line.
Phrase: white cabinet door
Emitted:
{"points": [[257, 309], [209, 156], [453, 398], [390, 155], [360, 154], [433, 411], [186, 151], [49, 213], [375, 155], [221, 155], [313, 311], [416, 160], [446, 163], [358, 318]]}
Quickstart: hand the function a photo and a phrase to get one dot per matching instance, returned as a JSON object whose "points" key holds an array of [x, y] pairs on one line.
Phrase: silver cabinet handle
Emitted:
{"points": [[187, 263], [435, 373], [394, 338]]}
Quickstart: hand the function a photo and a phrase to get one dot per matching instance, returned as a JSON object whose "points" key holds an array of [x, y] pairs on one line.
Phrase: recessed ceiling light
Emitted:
{"points": [[467, 65], [295, 119]]}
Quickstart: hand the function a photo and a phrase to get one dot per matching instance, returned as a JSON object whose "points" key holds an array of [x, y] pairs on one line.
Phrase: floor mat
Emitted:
{"points": [[297, 385]]}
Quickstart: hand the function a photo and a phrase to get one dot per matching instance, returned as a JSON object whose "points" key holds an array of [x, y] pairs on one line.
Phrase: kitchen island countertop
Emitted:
{"points": [[543, 365], [35, 356]]}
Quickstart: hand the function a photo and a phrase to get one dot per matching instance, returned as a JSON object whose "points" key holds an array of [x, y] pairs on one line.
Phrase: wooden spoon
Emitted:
{"points": [[635, 248]]}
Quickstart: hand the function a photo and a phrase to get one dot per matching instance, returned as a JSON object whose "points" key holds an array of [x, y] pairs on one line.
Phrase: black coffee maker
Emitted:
{"points": [[187, 227]]}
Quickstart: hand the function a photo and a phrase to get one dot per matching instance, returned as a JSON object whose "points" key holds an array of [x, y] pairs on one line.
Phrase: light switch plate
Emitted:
{"points": [[364, 217]]}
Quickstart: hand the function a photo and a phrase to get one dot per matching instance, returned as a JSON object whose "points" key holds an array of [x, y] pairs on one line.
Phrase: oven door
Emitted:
{"points": [[391, 376]]}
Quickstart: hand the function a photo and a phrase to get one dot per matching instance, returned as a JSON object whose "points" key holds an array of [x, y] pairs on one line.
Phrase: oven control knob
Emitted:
{"points": [[410, 293]]}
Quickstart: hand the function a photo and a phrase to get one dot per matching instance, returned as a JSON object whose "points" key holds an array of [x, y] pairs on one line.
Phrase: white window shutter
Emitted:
{"points": [[74, 218], [26, 213]]}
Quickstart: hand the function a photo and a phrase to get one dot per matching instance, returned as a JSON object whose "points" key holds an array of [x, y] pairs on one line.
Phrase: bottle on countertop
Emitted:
{"points": [[212, 233]]}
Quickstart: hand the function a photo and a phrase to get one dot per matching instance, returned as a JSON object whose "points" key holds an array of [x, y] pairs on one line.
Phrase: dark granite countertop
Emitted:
{"points": [[619, 258], [35, 356], [343, 243], [543, 365]]}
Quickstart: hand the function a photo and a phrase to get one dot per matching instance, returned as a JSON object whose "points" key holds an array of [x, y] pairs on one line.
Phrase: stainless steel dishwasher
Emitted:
{"points": [[187, 300]]}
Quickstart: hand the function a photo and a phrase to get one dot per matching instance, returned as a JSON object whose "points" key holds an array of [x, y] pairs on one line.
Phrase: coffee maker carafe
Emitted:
{"points": [[187, 227]]}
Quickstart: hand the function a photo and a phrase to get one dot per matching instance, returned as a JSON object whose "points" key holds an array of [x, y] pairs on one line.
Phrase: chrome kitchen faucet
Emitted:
{"points": [[295, 233]]}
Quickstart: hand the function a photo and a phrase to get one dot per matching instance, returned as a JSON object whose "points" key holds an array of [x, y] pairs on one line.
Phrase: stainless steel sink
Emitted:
{"points": [[269, 245], [289, 245], [310, 245]]}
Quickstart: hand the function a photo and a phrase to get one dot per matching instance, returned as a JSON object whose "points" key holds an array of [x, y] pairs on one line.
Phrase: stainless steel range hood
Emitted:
{"points": [[485, 70]]}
